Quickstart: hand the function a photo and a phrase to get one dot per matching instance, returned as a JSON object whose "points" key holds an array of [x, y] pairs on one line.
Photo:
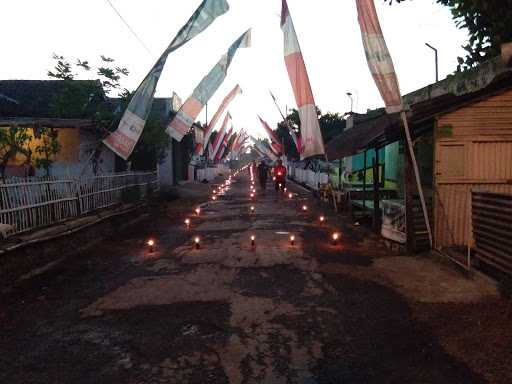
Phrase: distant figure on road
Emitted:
{"points": [[280, 176], [263, 175]]}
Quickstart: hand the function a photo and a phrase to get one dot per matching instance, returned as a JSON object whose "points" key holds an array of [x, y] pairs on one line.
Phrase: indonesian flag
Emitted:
{"points": [[379, 60], [220, 136], [123, 140], [312, 142], [225, 103], [184, 119]]}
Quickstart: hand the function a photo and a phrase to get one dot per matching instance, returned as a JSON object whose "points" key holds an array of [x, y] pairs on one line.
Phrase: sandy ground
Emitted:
{"points": [[228, 312]]}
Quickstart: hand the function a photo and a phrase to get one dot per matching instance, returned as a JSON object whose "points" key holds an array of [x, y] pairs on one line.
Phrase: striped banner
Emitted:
{"points": [[264, 150], [312, 142], [220, 136], [271, 134], [225, 103], [184, 119], [377, 53], [123, 140], [224, 145]]}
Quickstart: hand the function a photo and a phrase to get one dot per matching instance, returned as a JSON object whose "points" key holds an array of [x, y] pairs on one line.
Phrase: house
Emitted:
{"points": [[69, 108], [462, 133], [72, 109]]}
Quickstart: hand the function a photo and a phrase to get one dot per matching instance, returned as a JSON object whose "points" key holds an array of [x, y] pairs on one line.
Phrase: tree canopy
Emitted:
{"points": [[488, 25], [331, 125]]}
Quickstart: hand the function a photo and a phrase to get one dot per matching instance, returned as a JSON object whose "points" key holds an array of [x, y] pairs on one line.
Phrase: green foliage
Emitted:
{"points": [[81, 99], [331, 125], [13, 141], [151, 147], [63, 69], [48, 147], [110, 75], [488, 25]]}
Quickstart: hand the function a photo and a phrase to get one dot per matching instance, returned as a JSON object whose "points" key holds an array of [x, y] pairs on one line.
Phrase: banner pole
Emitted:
{"points": [[417, 176]]}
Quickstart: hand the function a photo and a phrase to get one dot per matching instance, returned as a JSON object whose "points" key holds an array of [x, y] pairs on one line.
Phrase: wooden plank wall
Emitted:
{"points": [[473, 153]]}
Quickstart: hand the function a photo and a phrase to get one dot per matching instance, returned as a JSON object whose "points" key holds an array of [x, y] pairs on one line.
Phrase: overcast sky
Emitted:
{"points": [[327, 29]]}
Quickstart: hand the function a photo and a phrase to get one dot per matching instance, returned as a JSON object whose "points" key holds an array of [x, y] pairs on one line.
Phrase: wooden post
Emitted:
{"points": [[409, 201], [376, 192], [417, 176]]}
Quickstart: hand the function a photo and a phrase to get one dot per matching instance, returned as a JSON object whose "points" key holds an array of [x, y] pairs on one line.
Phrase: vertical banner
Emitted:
{"points": [[220, 136], [271, 134], [265, 150], [312, 142], [383, 71], [296, 140], [378, 57], [184, 119], [176, 102], [223, 146], [225, 103], [123, 140]]}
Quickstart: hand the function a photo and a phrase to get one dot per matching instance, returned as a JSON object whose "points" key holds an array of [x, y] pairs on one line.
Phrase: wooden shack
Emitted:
{"points": [[473, 152]]}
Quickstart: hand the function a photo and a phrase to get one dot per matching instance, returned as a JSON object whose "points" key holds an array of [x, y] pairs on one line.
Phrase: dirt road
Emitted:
{"points": [[228, 312]]}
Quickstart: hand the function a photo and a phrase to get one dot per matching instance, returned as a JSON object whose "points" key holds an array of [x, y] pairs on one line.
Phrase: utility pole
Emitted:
{"points": [[349, 94], [436, 58]]}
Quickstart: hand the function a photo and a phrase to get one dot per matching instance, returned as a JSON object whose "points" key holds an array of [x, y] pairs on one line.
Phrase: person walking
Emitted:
{"points": [[280, 176], [263, 175]]}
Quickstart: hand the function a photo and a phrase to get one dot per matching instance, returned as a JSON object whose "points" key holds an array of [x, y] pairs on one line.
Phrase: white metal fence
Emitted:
{"points": [[308, 177], [30, 203]]}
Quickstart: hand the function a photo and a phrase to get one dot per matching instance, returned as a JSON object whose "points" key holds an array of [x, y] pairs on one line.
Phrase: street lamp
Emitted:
{"points": [[349, 94], [437, 60]]}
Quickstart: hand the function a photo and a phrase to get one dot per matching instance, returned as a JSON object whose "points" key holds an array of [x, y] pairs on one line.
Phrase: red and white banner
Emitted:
{"points": [[271, 134], [277, 148], [239, 142], [312, 142], [377, 53], [225, 103], [224, 145], [219, 138], [184, 119]]}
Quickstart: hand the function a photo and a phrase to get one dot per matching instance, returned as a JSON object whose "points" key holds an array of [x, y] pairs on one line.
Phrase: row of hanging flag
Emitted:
{"points": [[310, 143]]}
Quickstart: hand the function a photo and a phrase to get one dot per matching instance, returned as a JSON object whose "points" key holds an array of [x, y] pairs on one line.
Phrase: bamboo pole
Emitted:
{"points": [[417, 175]]}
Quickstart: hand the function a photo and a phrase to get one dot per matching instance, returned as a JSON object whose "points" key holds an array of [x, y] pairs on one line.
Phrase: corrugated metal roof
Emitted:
{"points": [[378, 129]]}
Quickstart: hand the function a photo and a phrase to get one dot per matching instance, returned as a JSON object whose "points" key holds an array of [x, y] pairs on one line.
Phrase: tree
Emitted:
{"points": [[331, 125], [109, 74], [13, 141], [47, 148], [85, 100], [488, 25]]}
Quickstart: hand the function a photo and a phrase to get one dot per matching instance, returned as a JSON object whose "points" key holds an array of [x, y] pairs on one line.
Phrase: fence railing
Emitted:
{"points": [[29, 203], [308, 177]]}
